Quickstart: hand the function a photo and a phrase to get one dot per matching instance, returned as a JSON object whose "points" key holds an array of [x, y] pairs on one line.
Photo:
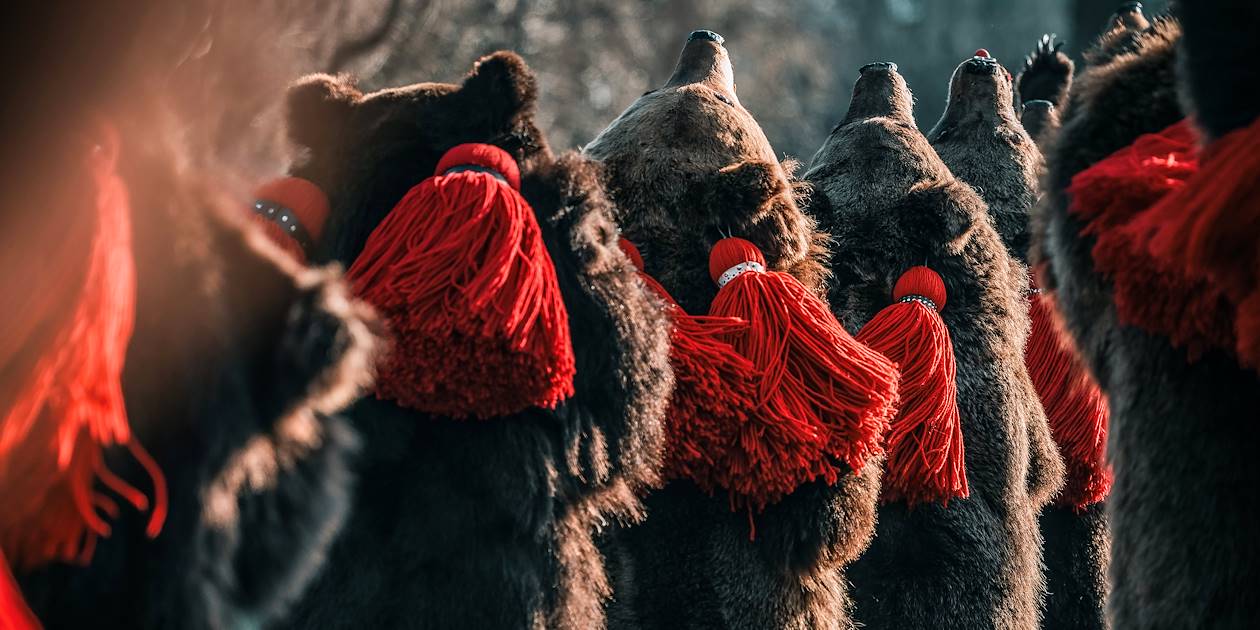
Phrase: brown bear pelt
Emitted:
{"points": [[486, 523], [1043, 86], [688, 165], [237, 354], [975, 563], [1182, 436]]}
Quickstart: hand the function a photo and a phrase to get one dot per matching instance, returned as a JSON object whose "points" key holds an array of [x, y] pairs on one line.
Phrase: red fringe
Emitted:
{"points": [[1075, 408], [461, 273], [926, 460], [70, 406], [823, 396], [14, 613]]}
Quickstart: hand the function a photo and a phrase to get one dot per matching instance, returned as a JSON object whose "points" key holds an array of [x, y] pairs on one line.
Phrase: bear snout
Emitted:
{"points": [[885, 66], [706, 35], [980, 65]]}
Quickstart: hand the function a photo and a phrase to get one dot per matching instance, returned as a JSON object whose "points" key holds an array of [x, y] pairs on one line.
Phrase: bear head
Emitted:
{"points": [[981, 140], [688, 165]]}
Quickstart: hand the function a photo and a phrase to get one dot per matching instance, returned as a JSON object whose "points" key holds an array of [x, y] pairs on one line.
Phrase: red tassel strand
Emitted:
{"points": [[823, 396], [715, 389], [292, 212], [69, 407], [926, 460], [460, 271], [14, 613], [1075, 407], [1114, 198]]}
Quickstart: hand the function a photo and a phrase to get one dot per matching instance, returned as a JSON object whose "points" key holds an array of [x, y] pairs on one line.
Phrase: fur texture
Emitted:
{"points": [[1047, 73], [237, 356], [687, 165], [977, 562], [486, 524], [1181, 440]]}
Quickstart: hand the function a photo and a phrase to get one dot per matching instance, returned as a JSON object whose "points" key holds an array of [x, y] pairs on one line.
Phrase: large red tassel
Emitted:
{"points": [[926, 460], [1114, 198], [1075, 407], [715, 390], [14, 613], [823, 396], [292, 212], [460, 272], [65, 404]]}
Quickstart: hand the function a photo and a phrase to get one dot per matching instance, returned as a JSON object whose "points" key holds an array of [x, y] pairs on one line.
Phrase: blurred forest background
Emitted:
{"points": [[795, 61]]}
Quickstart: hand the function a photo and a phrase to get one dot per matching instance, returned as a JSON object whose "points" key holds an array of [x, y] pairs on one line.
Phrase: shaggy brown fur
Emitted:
{"points": [[688, 165], [486, 524], [237, 355], [977, 562], [1182, 441], [1041, 120], [1046, 75]]}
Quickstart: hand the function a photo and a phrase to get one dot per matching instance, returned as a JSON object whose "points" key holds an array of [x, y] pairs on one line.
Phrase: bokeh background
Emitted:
{"points": [[795, 61]]}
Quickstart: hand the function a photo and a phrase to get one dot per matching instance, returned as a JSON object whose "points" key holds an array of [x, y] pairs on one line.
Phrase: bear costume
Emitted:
{"points": [[1043, 86], [1181, 441], [236, 355], [982, 143], [485, 523], [696, 562], [973, 562]]}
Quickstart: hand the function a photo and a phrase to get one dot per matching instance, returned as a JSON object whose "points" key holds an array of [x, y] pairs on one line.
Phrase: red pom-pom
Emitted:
{"points": [[981, 53], [461, 273], [292, 211], [1075, 408], [823, 397], [925, 445]]}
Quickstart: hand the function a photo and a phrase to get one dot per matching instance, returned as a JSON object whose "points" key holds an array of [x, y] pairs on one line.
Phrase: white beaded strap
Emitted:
{"points": [[920, 299], [729, 274]]}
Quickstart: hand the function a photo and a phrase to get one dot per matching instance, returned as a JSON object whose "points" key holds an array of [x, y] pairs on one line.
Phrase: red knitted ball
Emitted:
{"points": [[483, 155], [981, 53], [303, 197], [729, 252], [921, 281]]}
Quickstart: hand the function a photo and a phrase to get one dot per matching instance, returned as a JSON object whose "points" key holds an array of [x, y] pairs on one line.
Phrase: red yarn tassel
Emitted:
{"points": [[460, 271], [1114, 198], [1075, 407], [14, 613], [65, 404], [715, 389], [926, 460], [823, 396], [292, 212]]}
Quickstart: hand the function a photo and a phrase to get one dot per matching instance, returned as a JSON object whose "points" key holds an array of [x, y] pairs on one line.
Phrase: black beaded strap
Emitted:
{"points": [[286, 219], [476, 169], [920, 299]]}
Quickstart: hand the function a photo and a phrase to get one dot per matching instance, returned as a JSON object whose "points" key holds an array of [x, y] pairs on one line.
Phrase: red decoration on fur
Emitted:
{"points": [[925, 446], [460, 271], [823, 396], [1114, 198], [715, 391], [63, 403], [14, 614], [307, 203], [1075, 408], [981, 53]]}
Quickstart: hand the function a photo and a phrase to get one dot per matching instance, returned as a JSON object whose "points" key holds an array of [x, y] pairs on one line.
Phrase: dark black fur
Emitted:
{"points": [[977, 562], [1181, 438], [1220, 77], [1047, 73], [486, 523], [693, 563]]}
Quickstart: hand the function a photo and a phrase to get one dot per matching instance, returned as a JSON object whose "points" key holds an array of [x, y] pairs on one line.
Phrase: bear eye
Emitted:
{"points": [[722, 97]]}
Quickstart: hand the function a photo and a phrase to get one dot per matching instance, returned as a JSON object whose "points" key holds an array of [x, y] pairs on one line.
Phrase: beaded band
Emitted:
{"points": [[730, 274], [920, 299], [286, 219]]}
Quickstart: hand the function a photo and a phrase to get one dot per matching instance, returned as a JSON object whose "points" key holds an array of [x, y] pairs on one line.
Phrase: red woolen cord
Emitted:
{"points": [[292, 212], [460, 271], [926, 461], [823, 398], [1075, 408], [69, 407]]}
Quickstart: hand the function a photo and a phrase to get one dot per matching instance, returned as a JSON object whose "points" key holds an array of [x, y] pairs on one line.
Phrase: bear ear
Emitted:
{"points": [[944, 211], [744, 189], [317, 108], [502, 80]]}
